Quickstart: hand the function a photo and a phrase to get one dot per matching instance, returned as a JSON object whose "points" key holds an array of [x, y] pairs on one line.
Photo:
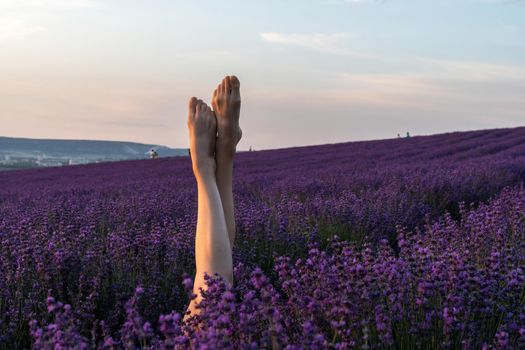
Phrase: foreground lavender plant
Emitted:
{"points": [[452, 285]]}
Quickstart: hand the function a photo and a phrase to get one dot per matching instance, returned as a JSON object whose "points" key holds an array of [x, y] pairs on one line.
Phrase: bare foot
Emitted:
{"points": [[226, 103], [203, 130]]}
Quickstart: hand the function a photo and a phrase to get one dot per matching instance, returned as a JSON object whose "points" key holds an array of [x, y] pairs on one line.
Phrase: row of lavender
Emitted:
{"points": [[89, 235]]}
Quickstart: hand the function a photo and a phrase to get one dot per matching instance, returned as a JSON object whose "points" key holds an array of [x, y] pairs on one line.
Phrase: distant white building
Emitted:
{"points": [[79, 161], [6, 159]]}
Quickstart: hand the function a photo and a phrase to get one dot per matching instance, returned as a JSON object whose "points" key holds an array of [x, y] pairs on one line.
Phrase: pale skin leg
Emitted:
{"points": [[226, 103], [212, 241]]}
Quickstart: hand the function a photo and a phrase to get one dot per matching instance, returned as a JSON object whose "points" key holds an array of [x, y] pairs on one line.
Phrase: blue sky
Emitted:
{"points": [[311, 71]]}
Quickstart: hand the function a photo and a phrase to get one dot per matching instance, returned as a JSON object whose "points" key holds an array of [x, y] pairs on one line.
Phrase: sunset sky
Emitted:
{"points": [[311, 72]]}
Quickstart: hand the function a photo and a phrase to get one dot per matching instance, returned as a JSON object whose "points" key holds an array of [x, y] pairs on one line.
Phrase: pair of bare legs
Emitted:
{"points": [[214, 135]]}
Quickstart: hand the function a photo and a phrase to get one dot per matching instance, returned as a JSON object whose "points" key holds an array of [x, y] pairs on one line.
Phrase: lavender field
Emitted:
{"points": [[396, 244]]}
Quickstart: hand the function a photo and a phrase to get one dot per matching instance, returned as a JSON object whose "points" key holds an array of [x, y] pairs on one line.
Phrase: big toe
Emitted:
{"points": [[235, 85], [192, 103], [234, 82]]}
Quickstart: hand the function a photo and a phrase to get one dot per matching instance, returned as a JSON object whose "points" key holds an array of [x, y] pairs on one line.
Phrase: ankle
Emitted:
{"points": [[225, 158], [225, 148], [226, 142]]}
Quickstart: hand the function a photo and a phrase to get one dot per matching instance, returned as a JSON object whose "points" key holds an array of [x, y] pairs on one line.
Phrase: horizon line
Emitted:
{"points": [[263, 149]]}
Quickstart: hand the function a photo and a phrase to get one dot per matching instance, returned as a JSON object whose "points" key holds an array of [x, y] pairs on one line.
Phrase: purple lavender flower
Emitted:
{"points": [[394, 243]]}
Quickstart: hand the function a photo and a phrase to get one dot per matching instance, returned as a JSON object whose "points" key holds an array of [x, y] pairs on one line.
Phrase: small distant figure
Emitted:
{"points": [[189, 152], [398, 135], [251, 149], [153, 154], [408, 135]]}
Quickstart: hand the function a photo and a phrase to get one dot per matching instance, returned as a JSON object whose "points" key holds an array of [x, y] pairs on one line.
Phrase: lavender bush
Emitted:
{"points": [[359, 245]]}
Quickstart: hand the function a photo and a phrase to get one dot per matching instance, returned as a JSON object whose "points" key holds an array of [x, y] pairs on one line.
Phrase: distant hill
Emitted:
{"points": [[24, 153]]}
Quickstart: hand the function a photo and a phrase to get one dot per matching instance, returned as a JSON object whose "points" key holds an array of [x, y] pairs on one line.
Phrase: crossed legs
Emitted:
{"points": [[213, 139]]}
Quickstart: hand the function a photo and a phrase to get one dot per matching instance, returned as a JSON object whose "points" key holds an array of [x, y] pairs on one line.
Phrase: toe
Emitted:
{"points": [[191, 104], [227, 84], [235, 88], [198, 106], [234, 82], [214, 100], [204, 108], [191, 107]]}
